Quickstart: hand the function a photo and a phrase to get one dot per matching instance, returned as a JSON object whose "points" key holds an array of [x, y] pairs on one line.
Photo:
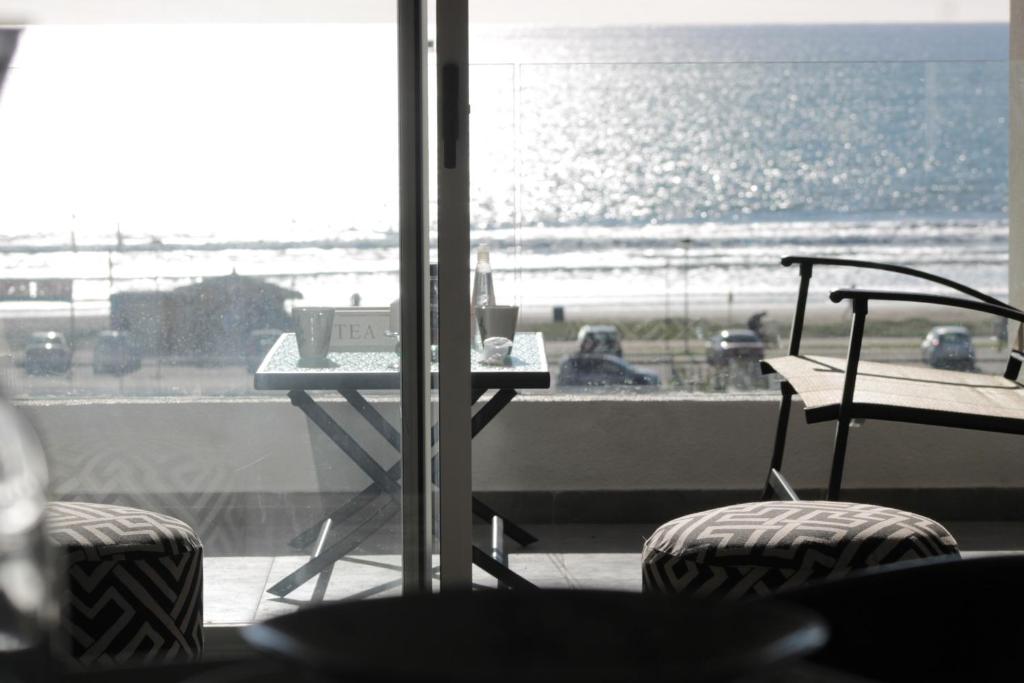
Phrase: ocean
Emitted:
{"points": [[612, 167]]}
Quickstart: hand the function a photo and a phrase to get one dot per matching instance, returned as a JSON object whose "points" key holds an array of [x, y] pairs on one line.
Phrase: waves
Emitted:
{"points": [[541, 266]]}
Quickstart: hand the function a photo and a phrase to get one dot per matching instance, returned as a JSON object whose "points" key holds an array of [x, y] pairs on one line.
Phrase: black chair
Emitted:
{"points": [[848, 389]]}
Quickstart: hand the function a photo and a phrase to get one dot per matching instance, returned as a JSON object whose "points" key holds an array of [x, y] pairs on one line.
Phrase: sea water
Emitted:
{"points": [[595, 152]]}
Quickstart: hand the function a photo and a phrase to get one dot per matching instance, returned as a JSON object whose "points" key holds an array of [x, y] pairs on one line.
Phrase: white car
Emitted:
{"points": [[734, 345]]}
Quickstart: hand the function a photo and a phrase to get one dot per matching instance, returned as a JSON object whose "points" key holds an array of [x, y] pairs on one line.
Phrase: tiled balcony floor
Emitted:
{"points": [[567, 556]]}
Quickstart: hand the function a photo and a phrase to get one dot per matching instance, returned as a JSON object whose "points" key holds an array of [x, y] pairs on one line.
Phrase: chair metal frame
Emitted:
{"points": [[859, 298]]}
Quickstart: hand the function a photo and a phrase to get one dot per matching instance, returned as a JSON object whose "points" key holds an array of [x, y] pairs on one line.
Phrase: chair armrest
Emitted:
{"points": [[860, 298], [865, 295], [903, 270]]}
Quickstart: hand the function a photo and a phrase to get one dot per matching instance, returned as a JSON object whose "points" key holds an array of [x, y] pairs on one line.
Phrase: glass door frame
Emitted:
{"points": [[414, 264], [455, 475], [454, 395]]}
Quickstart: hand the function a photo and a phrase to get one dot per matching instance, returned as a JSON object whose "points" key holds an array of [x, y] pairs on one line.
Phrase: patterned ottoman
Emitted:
{"points": [[134, 584], [758, 548]]}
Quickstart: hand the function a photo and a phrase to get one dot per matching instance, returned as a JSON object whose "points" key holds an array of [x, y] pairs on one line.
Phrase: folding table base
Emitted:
{"points": [[505, 576], [371, 520], [385, 483]]}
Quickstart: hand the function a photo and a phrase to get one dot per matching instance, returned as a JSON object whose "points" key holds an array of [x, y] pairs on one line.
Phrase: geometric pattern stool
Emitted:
{"points": [[758, 548], [134, 584]]}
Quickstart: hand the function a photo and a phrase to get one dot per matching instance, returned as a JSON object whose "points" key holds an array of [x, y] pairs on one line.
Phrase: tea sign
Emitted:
{"points": [[362, 329]]}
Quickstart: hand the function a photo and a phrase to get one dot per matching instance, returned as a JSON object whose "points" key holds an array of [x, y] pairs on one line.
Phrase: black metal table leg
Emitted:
{"points": [[385, 482], [367, 495], [390, 434], [512, 530], [503, 574], [373, 416], [366, 528], [481, 419], [491, 409], [345, 442], [320, 590], [362, 499]]}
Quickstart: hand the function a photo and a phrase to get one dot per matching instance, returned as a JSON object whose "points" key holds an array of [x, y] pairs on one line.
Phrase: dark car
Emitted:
{"points": [[734, 345], [597, 339], [257, 345], [600, 369], [948, 346], [47, 353], [115, 353]]}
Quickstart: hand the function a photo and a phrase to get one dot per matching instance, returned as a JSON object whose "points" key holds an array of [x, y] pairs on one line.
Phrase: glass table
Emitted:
{"points": [[352, 373]]}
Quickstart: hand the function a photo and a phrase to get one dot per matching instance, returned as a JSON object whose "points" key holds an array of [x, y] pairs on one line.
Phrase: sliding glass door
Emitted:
{"points": [[187, 195]]}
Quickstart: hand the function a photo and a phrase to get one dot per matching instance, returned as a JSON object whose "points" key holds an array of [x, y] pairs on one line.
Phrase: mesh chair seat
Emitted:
{"points": [[905, 393]]}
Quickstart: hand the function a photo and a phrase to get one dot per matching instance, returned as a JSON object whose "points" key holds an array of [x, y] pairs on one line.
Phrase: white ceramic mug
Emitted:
{"points": [[313, 331]]}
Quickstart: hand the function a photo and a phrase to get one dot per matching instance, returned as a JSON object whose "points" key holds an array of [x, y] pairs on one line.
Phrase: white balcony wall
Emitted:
{"points": [[205, 447]]}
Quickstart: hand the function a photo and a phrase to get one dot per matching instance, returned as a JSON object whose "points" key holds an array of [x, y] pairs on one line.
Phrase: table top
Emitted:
{"points": [[527, 368]]}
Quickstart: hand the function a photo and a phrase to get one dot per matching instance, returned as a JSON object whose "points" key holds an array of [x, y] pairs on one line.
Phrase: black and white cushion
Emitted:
{"points": [[134, 583], [758, 548]]}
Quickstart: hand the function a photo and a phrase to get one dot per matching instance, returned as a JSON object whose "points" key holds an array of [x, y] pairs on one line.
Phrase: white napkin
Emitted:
{"points": [[496, 351]]}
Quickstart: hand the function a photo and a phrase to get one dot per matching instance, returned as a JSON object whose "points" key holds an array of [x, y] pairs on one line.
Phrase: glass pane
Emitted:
{"points": [[138, 179], [174, 196], [642, 177], [654, 192]]}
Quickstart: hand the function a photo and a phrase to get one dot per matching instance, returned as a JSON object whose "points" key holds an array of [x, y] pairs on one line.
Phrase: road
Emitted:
{"points": [[677, 365], [676, 368]]}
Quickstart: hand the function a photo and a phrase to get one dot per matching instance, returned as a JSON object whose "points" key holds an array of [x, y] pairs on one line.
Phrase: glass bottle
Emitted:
{"points": [[483, 290]]}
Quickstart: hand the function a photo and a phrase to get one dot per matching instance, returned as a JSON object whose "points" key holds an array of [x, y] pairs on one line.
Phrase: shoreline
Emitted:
{"points": [[14, 330]]}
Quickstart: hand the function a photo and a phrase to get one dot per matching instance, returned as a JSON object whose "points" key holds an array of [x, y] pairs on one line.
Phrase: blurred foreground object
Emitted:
{"points": [[541, 635], [8, 42], [28, 594]]}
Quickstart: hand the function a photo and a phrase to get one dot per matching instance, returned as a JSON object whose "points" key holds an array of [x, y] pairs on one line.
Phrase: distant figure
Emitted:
{"points": [[355, 299], [754, 324]]}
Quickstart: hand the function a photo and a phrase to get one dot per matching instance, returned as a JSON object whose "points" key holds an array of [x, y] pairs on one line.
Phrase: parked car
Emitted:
{"points": [[601, 369], [47, 353], [948, 346], [600, 339], [257, 345], [115, 353], [734, 345]]}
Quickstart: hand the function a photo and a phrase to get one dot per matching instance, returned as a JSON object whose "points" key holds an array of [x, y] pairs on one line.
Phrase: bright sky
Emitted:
{"points": [[740, 11], [518, 11]]}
